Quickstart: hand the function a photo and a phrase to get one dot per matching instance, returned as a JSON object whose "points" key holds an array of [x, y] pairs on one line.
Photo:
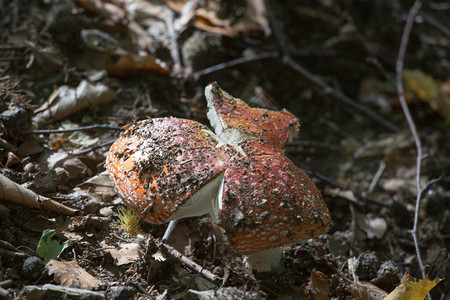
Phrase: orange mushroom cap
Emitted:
{"points": [[157, 165], [235, 121]]}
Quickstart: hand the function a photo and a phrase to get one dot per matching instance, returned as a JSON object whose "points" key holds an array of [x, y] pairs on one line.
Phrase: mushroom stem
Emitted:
{"points": [[265, 261], [208, 200]]}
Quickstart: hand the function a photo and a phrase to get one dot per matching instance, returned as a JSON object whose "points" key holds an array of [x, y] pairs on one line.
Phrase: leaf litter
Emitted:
{"points": [[123, 48]]}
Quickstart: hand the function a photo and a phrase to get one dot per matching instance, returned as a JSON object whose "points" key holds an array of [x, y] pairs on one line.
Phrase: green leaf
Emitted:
{"points": [[49, 248]]}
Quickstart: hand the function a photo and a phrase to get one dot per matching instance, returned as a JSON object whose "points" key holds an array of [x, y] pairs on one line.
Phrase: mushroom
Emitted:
{"points": [[169, 168], [268, 202]]}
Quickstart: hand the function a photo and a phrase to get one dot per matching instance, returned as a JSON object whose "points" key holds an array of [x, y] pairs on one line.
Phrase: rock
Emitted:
{"points": [[32, 268], [123, 293]]}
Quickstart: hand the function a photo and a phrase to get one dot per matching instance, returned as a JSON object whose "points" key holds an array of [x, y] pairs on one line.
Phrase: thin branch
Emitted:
{"points": [[9, 47], [192, 265], [84, 128], [401, 95], [234, 62], [90, 149], [287, 60], [169, 230]]}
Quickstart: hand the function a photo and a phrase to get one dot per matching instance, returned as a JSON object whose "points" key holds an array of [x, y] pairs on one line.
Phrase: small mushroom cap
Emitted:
{"points": [[269, 202], [233, 120], [157, 165]]}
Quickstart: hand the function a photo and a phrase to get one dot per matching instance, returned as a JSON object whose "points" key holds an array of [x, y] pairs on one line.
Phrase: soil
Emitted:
{"points": [[360, 153]]}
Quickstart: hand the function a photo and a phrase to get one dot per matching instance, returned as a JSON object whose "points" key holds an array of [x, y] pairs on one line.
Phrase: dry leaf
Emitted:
{"points": [[443, 105], [17, 194], [104, 8], [131, 64], [125, 255], [367, 225], [255, 18], [70, 274], [208, 21], [375, 226], [385, 146], [71, 100], [99, 187], [366, 290], [411, 289], [422, 85], [345, 194], [318, 285]]}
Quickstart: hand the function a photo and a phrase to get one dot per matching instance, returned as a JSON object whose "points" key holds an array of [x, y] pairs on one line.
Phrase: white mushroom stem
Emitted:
{"points": [[208, 200], [265, 261]]}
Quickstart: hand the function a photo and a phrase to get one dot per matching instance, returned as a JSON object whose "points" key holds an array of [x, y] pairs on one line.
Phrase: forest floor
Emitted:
{"points": [[71, 64]]}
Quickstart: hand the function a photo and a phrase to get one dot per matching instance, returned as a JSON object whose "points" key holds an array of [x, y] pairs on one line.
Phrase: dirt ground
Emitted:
{"points": [[105, 64]]}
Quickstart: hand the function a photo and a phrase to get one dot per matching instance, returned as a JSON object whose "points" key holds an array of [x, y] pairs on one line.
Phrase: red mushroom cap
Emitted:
{"points": [[233, 120], [269, 202], [157, 165]]}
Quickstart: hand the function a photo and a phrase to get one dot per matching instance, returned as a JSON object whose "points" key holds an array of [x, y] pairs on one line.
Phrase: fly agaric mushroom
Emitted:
{"points": [[268, 201], [236, 123], [169, 168], [165, 169]]}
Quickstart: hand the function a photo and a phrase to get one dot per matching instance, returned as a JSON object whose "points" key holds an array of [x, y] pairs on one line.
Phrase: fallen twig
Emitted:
{"points": [[234, 62], [288, 61], [108, 143], [399, 78], [186, 261], [63, 292], [169, 230], [13, 254], [12, 47], [83, 128]]}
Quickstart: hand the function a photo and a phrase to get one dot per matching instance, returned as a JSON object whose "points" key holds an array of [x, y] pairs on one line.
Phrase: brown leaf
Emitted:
{"points": [[70, 274], [17, 194], [125, 255], [318, 285], [131, 64], [71, 100], [366, 290]]}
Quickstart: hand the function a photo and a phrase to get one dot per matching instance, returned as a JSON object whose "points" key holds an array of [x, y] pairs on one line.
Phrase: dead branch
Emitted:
{"points": [[45, 290], [90, 149], [83, 128], [400, 90], [169, 250], [234, 62], [362, 109], [169, 230], [291, 63]]}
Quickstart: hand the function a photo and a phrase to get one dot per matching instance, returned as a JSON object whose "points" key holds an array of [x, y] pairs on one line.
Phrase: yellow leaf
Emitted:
{"points": [[413, 290], [422, 85]]}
